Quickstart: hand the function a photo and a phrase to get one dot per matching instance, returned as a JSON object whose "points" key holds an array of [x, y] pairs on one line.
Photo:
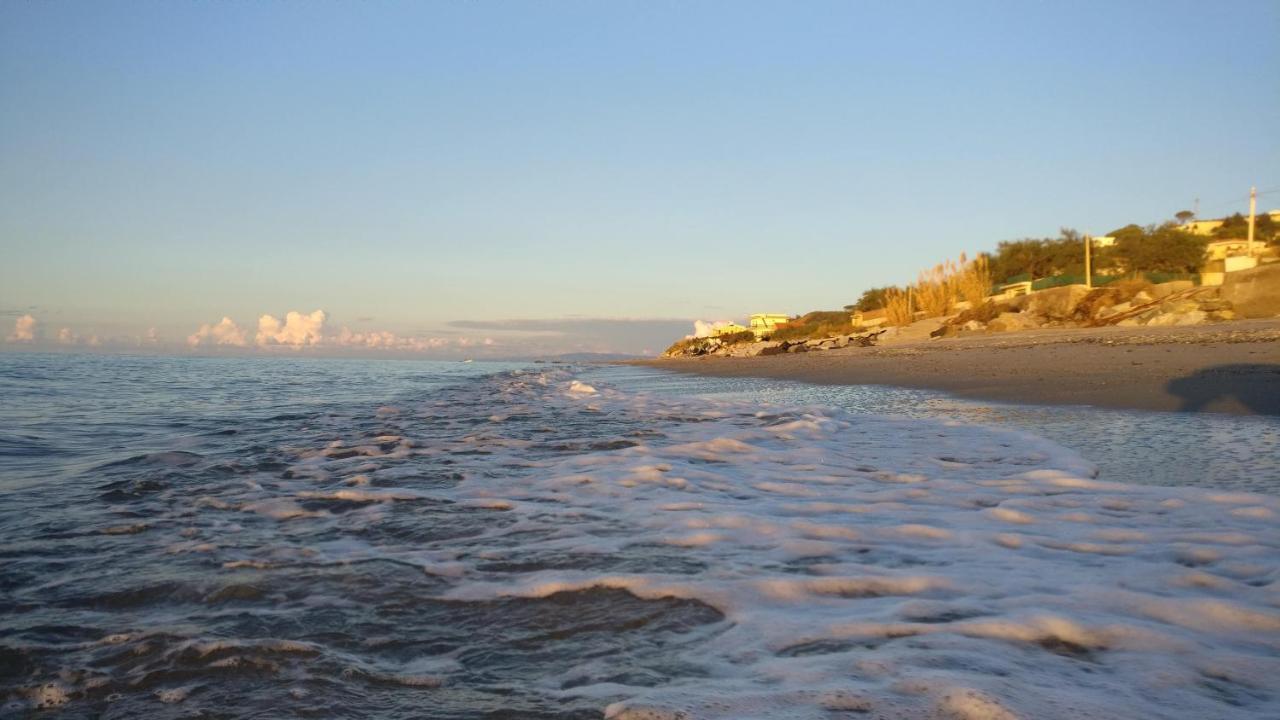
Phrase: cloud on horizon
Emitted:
{"points": [[225, 332], [633, 336], [296, 331], [311, 331], [25, 329]]}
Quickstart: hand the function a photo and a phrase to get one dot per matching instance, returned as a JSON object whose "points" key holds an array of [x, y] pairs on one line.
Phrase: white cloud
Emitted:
{"points": [[297, 330], [24, 329], [66, 337], [386, 340], [225, 332], [702, 328]]}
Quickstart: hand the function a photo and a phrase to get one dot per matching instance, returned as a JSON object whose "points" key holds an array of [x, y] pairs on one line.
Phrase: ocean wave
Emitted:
{"points": [[534, 544]]}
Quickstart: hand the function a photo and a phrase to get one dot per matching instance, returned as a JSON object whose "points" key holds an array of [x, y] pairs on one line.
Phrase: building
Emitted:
{"points": [[763, 324], [1206, 227], [1223, 249], [727, 329]]}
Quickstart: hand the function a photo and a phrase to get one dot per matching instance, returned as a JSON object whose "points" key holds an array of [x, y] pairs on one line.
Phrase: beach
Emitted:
{"points": [[1223, 368]]}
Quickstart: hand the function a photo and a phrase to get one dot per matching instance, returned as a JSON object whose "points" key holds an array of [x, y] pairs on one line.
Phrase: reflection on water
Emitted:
{"points": [[1150, 448]]}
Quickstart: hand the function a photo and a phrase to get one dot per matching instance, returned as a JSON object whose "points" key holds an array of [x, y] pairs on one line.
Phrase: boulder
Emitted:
{"points": [[796, 348], [1190, 317], [1005, 322], [1114, 310], [1253, 293], [1056, 303], [771, 348], [1142, 298], [1166, 289]]}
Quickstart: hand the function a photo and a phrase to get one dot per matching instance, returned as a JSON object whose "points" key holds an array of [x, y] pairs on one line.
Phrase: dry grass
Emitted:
{"points": [[897, 307], [935, 289], [973, 282]]}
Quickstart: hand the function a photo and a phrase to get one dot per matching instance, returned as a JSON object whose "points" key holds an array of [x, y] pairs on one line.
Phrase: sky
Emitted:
{"points": [[510, 178]]}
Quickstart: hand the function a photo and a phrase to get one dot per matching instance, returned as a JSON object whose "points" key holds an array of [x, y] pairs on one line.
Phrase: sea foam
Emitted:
{"points": [[911, 568]]}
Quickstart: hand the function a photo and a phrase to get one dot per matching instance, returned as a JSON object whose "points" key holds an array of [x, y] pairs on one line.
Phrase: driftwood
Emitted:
{"points": [[1139, 310], [867, 339]]}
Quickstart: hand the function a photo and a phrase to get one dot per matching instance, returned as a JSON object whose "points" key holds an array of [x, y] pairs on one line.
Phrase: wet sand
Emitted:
{"points": [[1227, 368]]}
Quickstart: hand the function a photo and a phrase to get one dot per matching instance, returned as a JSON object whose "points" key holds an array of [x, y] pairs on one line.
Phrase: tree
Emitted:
{"points": [[1236, 227], [1159, 248], [1039, 258], [1184, 216], [872, 299]]}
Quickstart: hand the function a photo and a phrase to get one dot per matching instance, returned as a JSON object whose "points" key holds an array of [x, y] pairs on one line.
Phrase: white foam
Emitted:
{"points": [[896, 567]]}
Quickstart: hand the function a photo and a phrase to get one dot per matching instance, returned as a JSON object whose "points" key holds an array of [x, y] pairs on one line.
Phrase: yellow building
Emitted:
{"points": [[763, 324], [1206, 227]]}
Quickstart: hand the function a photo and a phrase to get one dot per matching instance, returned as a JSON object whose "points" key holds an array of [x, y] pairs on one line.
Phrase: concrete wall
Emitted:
{"points": [[1254, 293]]}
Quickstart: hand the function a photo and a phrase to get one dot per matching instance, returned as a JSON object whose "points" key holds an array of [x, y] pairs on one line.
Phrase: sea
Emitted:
{"points": [[284, 536]]}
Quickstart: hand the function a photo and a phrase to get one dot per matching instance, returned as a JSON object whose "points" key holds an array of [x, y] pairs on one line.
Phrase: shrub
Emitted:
{"points": [[814, 325], [738, 337], [688, 346], [872, 299]]}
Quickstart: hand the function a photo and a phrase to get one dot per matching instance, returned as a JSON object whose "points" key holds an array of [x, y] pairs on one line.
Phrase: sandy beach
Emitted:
{"points": [[1227, 368]]}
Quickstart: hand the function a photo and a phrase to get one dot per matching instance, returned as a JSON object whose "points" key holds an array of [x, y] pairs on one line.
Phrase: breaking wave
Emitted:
{"points": [[529, 544]]}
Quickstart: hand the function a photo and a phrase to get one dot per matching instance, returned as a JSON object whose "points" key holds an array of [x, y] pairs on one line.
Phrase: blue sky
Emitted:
{"points": [[448, 169]]}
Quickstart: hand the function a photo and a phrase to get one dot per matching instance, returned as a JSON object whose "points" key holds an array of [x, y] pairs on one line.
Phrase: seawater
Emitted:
{"points": [[281, 537]]}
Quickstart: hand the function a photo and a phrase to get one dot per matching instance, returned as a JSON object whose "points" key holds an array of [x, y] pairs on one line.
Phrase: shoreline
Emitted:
{"points": [[1231, 368]]}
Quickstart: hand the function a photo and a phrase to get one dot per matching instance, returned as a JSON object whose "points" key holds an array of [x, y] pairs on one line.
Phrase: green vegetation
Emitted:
{"points": [[1156, 248], [872, 299], [1042, 257], [1236, 227], [1166, 248], [703, 345], [817, 324]]}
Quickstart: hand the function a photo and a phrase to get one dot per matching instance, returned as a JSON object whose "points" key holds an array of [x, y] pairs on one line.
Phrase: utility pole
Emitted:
{"points": [[1253, 210], [1088, 265]]}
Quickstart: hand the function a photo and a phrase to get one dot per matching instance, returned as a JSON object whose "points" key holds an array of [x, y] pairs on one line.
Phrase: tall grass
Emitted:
{"points": [[974, 279], [897, 307], [935, 289], [939, 288]]}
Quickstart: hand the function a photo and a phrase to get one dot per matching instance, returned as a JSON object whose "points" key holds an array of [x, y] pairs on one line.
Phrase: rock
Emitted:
{"points": [[797, 348], [1129, 322], [771, 348], [1191, 317], [973, 325], [1164, 290], [1005, 322], [1114, 310], [1056, 303], [1253, 293], [1220, 315], [1181, 306], [1215, 304], [1142, 298]]}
